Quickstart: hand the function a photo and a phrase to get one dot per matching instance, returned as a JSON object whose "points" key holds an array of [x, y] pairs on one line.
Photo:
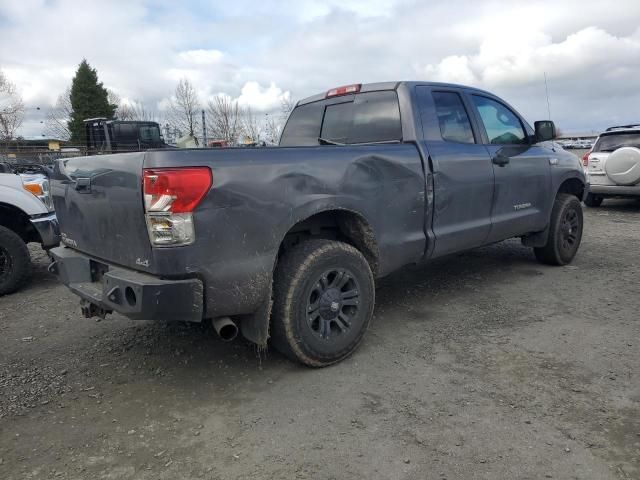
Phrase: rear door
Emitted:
{"points": [[522, 170], [463, 178]]}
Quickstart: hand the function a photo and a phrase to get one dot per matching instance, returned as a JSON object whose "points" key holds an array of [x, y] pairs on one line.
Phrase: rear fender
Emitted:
{"points": [[255, 326]]}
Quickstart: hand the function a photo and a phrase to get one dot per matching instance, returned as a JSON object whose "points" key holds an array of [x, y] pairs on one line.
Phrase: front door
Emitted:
{"points": [[462, 172], [522, 171]]}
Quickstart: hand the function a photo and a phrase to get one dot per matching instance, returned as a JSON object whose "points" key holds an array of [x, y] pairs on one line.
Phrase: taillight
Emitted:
{"points": [[170, 195], [585, 159], [345, 90]]}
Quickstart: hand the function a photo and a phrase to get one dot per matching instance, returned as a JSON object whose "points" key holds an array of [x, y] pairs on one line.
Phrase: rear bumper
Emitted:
{"points": [[615, 190], [133, 294], [48, 229]]}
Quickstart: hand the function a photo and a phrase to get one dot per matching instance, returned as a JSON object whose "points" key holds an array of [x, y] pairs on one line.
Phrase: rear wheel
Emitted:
{"points": [[593, 200], [323, 302], [15, 264], [565, 231]]}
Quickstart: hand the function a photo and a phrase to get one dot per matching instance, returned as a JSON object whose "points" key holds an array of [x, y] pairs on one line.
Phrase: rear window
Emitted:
{"points": [[337, 122], [613, 141], [149, 133], [452, 118], [363, 118]]}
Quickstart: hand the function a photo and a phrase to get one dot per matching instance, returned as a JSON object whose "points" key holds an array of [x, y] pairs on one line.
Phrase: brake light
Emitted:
{"points": [[175, 190], [585, 159], [344, 90], [170, 195]]}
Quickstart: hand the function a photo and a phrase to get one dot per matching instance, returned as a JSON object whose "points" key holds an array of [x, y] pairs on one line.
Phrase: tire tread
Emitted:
{"points": [[21, 261], [289, 273], [550, 254]]}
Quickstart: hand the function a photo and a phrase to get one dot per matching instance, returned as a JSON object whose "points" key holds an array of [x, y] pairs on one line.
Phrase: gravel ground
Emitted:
{"points": [[481, 365]]}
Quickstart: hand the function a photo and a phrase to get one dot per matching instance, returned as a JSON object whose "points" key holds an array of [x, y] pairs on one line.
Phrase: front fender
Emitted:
{"points": [[12, 193]]}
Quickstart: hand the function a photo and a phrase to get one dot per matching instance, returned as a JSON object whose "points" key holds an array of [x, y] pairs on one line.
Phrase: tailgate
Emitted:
{"points": [[98, 201]]}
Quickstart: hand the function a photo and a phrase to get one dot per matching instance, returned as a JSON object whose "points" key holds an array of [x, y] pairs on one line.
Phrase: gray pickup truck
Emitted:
{"points": [[284, 244]]}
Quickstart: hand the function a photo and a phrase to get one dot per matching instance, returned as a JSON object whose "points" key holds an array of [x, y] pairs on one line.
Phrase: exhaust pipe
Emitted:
{"points": [[226, 329]]}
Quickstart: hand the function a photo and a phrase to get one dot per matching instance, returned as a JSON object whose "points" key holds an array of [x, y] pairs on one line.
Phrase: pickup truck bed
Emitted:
{"points": [[373, 178]]}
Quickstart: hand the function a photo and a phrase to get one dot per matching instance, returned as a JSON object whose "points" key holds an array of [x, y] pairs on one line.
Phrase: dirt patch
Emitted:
{"points": [[481, 365]]}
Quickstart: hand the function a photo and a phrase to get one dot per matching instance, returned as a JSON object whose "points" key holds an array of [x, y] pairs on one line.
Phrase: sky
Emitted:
{"points": [[260, 52]]}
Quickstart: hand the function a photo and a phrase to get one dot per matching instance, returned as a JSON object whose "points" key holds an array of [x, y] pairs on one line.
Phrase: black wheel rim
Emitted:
{"points": [[333, 303], [570, 230], [5, 264]]}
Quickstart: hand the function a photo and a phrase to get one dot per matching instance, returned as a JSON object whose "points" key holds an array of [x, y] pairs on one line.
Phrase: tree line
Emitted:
{"points": [[87, 97]]}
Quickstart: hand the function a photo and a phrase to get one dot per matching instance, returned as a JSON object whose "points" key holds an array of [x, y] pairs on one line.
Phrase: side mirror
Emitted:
{"points": [[545, 130]]}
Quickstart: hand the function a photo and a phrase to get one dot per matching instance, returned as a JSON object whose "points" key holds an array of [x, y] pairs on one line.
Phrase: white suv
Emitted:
{"points": [[613, 165]]}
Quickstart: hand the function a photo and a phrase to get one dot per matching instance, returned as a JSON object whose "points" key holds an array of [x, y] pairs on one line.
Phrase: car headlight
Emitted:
{"points": [[39, 187]]}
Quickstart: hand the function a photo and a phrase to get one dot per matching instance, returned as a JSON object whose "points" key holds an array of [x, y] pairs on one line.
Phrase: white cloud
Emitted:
{"points": [[201, 56], [258, 51], [591, 51], [262, 98]]}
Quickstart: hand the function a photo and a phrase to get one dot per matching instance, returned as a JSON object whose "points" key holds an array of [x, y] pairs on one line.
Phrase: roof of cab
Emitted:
{"points": [[372, 87]]}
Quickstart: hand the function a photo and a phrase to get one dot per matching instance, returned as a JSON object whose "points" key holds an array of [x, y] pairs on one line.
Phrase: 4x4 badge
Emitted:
{"points": [[142, 263]]}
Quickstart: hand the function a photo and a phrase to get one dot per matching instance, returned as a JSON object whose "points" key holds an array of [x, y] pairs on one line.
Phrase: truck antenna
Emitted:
{"points": [[546, 88]]}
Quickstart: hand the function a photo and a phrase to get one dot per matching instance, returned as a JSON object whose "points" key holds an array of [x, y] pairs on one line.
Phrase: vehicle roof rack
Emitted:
{"points": [[621, 127]]}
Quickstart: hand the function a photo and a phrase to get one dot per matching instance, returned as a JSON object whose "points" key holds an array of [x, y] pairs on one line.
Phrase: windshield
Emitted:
{"points": [[611, 142]]}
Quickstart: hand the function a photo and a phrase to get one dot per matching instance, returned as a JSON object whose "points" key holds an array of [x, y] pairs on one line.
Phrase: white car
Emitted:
{"points": [[26, 215], [613, 165]]}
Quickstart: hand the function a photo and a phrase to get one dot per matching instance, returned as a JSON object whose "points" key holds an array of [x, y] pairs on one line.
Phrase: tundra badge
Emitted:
{"points": [[521, 206]]}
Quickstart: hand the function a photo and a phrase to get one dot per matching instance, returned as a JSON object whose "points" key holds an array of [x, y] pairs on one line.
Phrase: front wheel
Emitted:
{"points": [[15, 263], [323, 296], [565, 231], [593, 200]]}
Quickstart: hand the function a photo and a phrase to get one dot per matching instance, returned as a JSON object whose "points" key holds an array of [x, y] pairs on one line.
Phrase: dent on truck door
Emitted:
{"points": [[522, 172], [462, 172]]}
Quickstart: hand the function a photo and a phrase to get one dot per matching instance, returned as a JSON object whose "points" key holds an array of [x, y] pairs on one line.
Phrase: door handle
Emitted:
{"points": [[500, 160]]}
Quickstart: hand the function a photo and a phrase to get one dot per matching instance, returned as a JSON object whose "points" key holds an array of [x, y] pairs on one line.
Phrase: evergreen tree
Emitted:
{"points": [[89, 99]]}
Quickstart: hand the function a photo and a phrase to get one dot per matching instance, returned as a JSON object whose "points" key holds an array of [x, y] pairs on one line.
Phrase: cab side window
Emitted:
{"points": [[453, 119], [503, 127]]}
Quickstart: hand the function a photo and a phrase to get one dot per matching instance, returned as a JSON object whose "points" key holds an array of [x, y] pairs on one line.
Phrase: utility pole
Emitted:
{"points": [[204, 131]]}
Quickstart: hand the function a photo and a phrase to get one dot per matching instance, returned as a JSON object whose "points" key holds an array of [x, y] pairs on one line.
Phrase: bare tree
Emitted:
{"points": [[11, 108], [112, 97], [273, 128], [250, 126], [184, 108], [287, 104], [225, 120], [135, 110], [274, 123], [56, 123]]}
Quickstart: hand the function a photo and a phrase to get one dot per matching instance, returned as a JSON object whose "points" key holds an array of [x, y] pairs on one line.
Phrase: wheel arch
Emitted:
{"points": [[342, 224], [572, 185], [18, 221]]}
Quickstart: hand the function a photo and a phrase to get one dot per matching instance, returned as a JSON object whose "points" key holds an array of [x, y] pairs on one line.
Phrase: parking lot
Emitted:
{"points": [[481, 365]]}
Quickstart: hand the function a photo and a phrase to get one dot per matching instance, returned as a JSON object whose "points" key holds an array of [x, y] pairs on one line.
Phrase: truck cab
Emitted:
{"points": [[109, 136]]}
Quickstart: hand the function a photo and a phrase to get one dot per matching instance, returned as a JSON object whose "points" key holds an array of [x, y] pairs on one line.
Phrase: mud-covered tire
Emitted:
{"points": [[323, 299], [15, 263], [565, 231], [593, 200]]}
